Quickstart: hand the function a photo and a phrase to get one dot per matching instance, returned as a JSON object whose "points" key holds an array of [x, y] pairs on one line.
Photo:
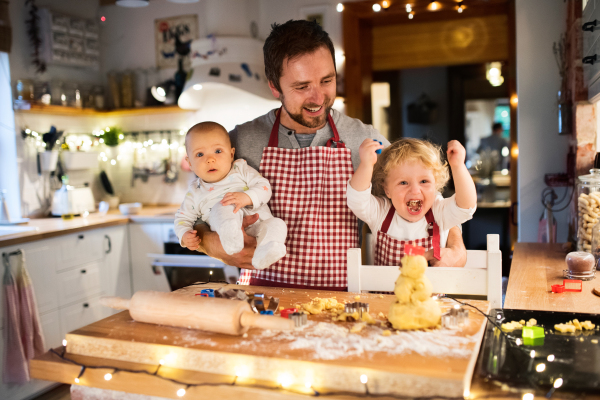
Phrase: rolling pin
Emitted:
{"points": [[205, 313]]}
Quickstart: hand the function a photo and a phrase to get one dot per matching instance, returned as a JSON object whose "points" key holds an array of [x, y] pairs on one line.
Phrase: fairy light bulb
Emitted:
{"points": [[181, 392], [285, 380], [558, 383], [376, 7], [76, 380], [64, 342], [528, 396], [364, 379], [108, 377], [540, 367]]}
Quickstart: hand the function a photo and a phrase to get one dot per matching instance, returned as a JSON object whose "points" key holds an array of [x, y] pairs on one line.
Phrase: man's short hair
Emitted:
{"points": [[496, 126], [292, 39]]}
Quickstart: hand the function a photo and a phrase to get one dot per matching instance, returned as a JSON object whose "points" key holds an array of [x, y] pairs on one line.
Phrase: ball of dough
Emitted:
{"points": [[421, 315], [413, 266], [412, 290]]}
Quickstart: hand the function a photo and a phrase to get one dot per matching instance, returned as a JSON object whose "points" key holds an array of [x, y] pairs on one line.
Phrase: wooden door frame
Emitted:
{"points": [[358, 20]]}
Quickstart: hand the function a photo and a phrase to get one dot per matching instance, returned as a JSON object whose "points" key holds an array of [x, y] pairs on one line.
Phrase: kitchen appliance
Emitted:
{"points": [[73, 200], [179, 267]]}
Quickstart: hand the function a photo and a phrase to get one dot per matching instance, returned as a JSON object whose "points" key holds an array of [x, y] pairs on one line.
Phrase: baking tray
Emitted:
{"points": [[572, 357]]}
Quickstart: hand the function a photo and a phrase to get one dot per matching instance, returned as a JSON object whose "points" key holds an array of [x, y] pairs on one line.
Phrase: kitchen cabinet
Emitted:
{"points": [[590, 22], [69, 274], [147, 238]]}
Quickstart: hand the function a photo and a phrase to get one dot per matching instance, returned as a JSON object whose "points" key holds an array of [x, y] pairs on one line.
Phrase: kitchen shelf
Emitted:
{"points": [[72, 111]]}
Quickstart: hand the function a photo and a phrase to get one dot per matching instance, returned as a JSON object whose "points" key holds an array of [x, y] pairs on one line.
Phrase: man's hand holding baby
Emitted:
{"points": [[190, 240], [239, 199]]}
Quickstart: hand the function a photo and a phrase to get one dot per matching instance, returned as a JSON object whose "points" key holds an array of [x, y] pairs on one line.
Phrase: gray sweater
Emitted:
{"points": [[251, 138]]}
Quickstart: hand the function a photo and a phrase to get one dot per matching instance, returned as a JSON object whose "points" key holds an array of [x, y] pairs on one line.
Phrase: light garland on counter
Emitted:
{"points": [[285, 380]]}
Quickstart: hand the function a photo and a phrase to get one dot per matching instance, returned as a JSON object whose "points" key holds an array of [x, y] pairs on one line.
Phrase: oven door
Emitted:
{"points": [[178, 271]]}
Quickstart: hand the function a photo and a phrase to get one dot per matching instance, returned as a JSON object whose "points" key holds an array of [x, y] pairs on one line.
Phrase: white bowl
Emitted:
{"points": [[130, 208]]}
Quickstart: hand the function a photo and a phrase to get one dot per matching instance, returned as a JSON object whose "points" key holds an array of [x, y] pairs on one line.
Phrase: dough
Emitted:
{"points": [[387, 332], [532, 322], [511, 326], [421, 315], [414, 308], [575, 325], [565, 328], [318, 305]]}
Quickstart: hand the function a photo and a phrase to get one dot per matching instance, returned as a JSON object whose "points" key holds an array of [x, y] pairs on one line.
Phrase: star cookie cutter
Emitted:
{"points": [[456, 317], [257, 303], [351, 308]]}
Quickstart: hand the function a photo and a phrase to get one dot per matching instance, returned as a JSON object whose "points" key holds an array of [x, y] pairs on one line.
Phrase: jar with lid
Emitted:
{"points": [[588, 207]]}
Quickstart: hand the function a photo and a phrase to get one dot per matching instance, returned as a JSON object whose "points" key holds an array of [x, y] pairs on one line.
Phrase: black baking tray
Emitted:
{"points": [[576, 356]]}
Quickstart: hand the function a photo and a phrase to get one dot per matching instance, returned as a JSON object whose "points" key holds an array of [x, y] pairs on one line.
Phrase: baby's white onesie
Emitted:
{"points": [[203, 200]]}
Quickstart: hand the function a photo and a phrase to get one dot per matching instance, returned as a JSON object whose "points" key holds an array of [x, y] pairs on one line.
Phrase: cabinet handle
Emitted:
{"points": [[83, 271], [589, 26], [85, 305], [109, 244], [589, 59], [80, 236]]}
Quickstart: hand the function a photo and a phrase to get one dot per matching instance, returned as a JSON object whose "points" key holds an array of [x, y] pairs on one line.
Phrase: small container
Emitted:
{"points": [[580, 265], [588, 206]]}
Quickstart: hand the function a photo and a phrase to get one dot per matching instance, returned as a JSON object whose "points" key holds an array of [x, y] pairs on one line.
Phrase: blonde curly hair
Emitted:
{"points": [[408, 149]]}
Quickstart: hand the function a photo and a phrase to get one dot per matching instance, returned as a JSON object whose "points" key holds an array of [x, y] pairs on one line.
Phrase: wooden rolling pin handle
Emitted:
{"points": [[249, 319], [117, 303]]}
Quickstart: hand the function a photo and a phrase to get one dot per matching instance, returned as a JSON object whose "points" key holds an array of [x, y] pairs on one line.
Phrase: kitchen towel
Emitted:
{"points": [[23, 338]]}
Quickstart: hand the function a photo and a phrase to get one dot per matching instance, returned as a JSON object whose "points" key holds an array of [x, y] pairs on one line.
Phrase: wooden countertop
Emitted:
{"points": [[52, 227], [419, 363], [535, 268]]}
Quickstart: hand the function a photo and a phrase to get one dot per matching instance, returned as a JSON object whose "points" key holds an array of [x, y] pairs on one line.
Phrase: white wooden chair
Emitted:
{"points": [[482, 274]]}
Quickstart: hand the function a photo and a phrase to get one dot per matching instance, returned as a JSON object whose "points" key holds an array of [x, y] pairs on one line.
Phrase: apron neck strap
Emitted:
{"points": [[388, 219], [434, 231], [274, 138]]}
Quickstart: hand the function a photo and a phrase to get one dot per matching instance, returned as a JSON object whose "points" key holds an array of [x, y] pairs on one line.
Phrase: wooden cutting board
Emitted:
{"points": [[324, 353]]}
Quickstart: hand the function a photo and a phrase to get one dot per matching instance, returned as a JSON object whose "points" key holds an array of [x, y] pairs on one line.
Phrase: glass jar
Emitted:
{"points": [[588, 208]]}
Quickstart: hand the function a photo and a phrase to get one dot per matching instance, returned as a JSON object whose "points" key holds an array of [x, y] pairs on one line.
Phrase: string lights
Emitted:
{"points": [[286, 382]]}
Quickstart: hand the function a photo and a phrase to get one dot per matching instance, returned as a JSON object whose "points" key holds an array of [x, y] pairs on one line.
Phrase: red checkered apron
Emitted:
{"points": [[389, 251], [309, 194]]}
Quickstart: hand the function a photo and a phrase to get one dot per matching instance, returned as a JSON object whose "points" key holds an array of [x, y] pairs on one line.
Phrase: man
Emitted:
{"points": [[308, 152], [495, 142]]}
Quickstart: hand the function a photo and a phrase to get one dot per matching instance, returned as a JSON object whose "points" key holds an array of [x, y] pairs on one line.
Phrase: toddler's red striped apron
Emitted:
{"points": [[389, 251], [309, 194]]}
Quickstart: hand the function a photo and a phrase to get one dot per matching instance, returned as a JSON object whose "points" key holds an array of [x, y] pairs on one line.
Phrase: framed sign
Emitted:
{"points": [[169, 31], [317, 14]]}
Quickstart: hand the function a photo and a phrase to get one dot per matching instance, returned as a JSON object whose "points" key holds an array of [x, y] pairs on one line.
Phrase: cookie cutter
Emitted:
{"points": [[298, 318], [233, 294], [456, 317], [207, 292], [284, 313], [351, 308], [257, 303]]}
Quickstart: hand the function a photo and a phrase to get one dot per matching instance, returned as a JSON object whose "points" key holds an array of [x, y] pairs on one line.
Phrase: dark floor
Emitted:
{"points": [[62, 392]]}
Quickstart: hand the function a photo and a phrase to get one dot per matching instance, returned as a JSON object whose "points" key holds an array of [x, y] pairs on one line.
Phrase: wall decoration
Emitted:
{"points": [[173, 37], [69, 40], [316, 13]]}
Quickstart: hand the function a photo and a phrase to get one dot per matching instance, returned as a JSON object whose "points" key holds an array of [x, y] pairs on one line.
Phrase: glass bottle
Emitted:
{"points": [[588, 207]]}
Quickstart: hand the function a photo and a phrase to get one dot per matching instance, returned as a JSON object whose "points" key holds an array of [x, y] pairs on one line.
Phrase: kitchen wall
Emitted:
{"points": [[434, 83], [539, 23]]}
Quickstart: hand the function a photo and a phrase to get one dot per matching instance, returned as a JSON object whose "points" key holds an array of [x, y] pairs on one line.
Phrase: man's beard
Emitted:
{"points": [[314, 122]]}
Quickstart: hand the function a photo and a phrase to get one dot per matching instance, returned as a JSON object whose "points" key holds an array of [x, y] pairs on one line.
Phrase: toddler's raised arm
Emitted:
{"points": [[361, 180], [466, 194]]}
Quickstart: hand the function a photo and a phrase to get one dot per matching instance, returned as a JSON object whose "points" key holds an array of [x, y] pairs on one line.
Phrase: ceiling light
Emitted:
{"points": [[385, 4], [494, 73], [376, 7], [339, 7], [408, 8], [434, 6], [461, 7], [132, 3], [411, 15]]}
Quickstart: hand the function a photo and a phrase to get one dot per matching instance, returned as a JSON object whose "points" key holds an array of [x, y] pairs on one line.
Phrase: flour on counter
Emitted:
{"points": [[329, 341]]}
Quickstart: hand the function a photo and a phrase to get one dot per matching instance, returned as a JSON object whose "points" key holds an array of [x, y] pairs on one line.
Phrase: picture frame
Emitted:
{"points": [[165, 31], [320, 14]]}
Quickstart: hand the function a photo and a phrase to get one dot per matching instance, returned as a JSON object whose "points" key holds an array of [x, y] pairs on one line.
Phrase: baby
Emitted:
{"points": [[223, 188], [409, 208]]}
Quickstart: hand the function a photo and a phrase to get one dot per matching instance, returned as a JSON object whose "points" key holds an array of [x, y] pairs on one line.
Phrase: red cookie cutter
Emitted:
{"points": [[411, 250], [569, 285], [287, 311]]}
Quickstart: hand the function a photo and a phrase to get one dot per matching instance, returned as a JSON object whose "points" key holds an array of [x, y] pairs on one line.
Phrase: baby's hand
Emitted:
{"points": [[190, 240], [240, 200], [367, 151], [456, 153]]}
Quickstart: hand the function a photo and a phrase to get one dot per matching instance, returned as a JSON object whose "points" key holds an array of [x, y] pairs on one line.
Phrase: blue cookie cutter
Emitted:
{"points": [[207, 292], [266, 312], [381, 143]]}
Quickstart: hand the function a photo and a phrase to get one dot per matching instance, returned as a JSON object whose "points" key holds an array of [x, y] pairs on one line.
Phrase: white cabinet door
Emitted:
{"points": [[81, 282], [117, 261], [80, 248], [145, 239], [81, 314]]}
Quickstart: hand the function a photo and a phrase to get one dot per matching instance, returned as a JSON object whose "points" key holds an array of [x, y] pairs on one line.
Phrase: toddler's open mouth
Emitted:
{"points": [[414, 206]]}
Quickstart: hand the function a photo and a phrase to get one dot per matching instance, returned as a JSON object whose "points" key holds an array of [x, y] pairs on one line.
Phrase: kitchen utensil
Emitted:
{"points": [[106, 183], [130, 208], [195, 312], [103, 207], [69, 200]]}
